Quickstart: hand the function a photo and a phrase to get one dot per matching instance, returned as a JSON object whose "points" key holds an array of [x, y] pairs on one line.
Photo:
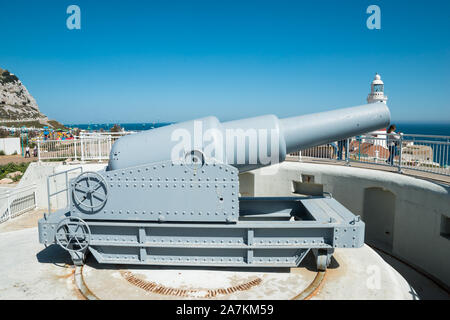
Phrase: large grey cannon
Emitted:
{"points": [[170, 196]]}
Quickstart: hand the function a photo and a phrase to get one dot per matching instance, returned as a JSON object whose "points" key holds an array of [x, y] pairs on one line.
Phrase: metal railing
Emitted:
{"points": [[86, 147], [65, 183], [427, 153], [17, 201]]}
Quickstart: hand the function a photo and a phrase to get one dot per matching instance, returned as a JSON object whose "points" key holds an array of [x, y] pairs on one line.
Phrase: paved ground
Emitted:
{"points": [[31, 271], [15, 159], [24, 221]]}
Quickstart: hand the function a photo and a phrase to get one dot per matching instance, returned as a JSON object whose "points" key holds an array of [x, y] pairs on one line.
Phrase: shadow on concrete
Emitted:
{"points": [[309, 263], [54, 254]]}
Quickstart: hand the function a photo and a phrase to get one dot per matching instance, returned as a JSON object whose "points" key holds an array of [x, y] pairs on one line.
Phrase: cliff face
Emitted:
{"points": [[16, 103]]}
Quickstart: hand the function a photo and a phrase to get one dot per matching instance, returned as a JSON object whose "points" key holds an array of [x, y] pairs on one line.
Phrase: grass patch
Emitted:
{"points": [[19, 124], [56, 125], [13, 167]]}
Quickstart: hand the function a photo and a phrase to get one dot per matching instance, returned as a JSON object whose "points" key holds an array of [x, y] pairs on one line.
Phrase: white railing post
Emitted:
{"points": [[75, 146], [99, 148], [39, 150], [109, 146], [400, 154], [82, 145]]}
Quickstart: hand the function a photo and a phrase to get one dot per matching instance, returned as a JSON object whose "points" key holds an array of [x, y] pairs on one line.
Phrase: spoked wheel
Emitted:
{"points": [[90, 191], [73, 234]]}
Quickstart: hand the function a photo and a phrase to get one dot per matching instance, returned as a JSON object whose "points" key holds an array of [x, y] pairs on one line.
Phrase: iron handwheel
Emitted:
{"points": [[73, 234], [90, 190]]}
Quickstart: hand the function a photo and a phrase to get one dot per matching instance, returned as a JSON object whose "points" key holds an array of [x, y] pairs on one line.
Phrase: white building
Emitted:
{"points": [[10, 145]]}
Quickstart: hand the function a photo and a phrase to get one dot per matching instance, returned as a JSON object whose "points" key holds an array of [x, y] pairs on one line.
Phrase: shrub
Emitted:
{"points": [[116, 128], [13, 167]]}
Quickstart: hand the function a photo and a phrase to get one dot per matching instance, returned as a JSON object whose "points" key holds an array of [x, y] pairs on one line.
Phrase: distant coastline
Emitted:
{"points": [[126, 126]]}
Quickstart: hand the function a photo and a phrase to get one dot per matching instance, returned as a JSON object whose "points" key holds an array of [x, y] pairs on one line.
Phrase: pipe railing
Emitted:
{"points": [[53, 178], [85, 147], [427, 153]]}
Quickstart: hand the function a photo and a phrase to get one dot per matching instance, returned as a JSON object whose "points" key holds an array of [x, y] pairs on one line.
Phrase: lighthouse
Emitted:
{"points": [[377, 95], [377, 91]]}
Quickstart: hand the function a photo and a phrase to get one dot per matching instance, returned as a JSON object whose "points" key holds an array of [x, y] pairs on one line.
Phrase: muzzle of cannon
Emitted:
{"points": [[170, 196]]}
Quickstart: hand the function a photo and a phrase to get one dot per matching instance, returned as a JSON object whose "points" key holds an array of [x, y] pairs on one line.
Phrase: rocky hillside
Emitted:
{"points": [[17, 104]]}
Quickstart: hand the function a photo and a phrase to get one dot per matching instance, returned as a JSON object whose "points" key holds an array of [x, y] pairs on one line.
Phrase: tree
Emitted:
{"points": [[116, 128], [4, 133]]}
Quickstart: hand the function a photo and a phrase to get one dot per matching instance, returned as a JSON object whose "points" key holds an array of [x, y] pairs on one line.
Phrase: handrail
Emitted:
{"points": [[426, 153], [66, 174]]}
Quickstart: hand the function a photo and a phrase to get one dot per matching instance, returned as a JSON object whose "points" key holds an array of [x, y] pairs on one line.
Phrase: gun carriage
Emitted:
{"points": [[170, 196]]}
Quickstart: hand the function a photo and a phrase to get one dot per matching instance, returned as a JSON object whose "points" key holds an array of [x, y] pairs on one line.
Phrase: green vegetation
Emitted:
{"points": [[56, 125], [35, 124], [19, 124], [116, 128], [13, 167], [2, 153], [4, 133]]}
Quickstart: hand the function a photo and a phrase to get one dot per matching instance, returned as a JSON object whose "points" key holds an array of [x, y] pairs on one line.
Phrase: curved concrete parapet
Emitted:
{"points": [[405, 216]]}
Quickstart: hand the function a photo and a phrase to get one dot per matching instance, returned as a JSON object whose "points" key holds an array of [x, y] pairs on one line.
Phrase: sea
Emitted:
{"points": [[441, 129], [125, 126]]}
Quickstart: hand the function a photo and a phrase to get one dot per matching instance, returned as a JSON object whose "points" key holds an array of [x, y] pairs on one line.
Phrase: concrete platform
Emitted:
{"points": [[354, 274], [31, 271]]}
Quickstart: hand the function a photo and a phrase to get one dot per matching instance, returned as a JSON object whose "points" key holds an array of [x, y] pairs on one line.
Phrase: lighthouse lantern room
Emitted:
{"points": [[377, 91]]}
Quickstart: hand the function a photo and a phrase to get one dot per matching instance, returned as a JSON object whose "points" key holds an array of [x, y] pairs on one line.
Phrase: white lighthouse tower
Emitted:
{"points": [[377, 91], [377, 95]]}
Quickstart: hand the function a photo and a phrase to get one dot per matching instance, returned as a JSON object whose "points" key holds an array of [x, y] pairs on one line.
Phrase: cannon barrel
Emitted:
{"points": [[319, 128], [246, 144]]}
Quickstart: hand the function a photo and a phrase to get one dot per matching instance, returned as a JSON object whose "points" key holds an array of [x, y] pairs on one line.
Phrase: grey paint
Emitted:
{"points": [[292, 134], [148, 208]]}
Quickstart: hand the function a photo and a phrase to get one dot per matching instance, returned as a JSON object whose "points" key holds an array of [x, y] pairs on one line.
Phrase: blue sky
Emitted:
{"points": [[145, 61]]}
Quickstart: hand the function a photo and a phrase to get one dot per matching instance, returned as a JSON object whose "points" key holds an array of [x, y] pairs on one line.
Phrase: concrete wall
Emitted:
{"points": [[10, 145], [404, 215]]}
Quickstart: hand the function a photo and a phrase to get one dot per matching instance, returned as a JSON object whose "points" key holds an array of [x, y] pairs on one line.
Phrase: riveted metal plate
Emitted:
{"points": [[167, 192]]}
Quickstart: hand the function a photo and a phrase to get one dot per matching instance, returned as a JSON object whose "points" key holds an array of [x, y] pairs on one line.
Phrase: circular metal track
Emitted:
{"points": [[305, 294], [90, 191], [73, 234]]}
